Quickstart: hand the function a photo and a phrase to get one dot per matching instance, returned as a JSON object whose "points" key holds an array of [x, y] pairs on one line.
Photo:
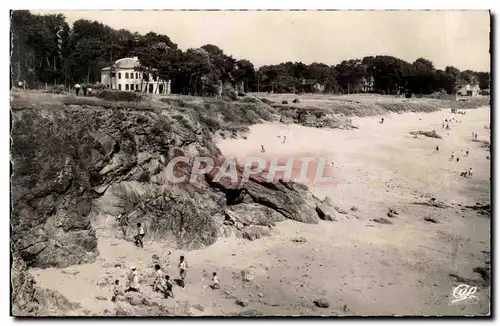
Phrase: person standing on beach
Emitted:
{"points": [[470, 173], [139, 236], [215, 281], [183, 270], [467, 152]]}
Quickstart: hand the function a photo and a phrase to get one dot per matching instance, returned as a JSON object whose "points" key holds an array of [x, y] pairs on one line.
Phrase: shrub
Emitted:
{"points": [[119, 96]]}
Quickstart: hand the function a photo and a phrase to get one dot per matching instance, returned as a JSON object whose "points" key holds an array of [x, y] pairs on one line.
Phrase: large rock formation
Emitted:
{"points": [[77, 164]]}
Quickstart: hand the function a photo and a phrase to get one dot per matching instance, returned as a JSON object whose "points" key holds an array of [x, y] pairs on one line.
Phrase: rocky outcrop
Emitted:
{"points": [[30, 300], [77, 164]]}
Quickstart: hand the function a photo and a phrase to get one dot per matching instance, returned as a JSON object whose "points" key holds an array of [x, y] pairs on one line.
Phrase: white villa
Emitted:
{"points": [[468, 90], [123, 76]]}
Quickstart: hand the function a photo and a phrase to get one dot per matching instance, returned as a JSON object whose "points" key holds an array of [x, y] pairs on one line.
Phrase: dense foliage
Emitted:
{"points": [[45, 49]]}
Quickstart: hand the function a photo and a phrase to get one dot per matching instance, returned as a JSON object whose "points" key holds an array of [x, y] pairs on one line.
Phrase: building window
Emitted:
{"points": [[119, 75], [119, 85], [136, 75], [126, 75], [126, 87], [113, 75], [136, 87], [131, 87]]}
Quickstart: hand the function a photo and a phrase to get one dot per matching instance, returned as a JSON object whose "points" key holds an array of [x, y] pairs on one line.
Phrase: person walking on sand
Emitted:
{"points": [[437, 148], [262, 149], [140, 235], [133, 280], [284, 139], [183, 270], [470, 173], [117, 291], [157, 285], [77, 89], [452, 156], [215, 281], [467, 152]]}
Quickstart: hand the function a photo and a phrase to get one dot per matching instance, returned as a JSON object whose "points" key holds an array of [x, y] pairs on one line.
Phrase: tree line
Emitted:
{"points": [[46, 50]]}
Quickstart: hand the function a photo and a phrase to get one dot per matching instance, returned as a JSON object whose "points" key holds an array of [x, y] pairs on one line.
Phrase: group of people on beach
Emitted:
{"points": [[162, 282], [453, 157]]}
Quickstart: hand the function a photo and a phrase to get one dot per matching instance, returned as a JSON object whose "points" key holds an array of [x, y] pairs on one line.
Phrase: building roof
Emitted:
{"points": [[124, 63], [127, 63]]}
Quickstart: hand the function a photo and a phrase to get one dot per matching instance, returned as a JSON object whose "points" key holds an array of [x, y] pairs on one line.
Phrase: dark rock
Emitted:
{"points": [[321, 303], [484, 272], [340, 210], [135, 299], [300, 239], [253, 214], [250, 313], [393, 211], [430, 219], [382, 220], [254, 232], [391, 215], [354, 209], [100, 297], [241, 303], [281, 198], [246, 276], [432, 203], [326, 212]]}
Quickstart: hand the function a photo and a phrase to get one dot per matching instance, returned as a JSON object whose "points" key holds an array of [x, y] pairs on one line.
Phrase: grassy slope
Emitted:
{"points": [[236, 116]]}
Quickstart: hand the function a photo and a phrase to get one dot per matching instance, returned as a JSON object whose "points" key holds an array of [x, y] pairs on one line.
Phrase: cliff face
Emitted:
{"points": [[75, 164]]}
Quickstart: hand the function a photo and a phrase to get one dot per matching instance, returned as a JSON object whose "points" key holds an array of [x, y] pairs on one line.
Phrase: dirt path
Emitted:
{"points": [[361, 267]]}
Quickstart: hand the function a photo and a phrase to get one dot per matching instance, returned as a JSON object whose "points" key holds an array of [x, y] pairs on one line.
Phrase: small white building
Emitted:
{"points": [[468, 89], [123, 76]]}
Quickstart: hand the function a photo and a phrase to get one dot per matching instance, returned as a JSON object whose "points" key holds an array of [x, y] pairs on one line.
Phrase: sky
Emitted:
{"points": [[457, 38]]}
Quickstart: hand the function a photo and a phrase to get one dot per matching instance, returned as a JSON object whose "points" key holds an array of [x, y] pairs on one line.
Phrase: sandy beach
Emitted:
{"points": [[359, 266]]}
